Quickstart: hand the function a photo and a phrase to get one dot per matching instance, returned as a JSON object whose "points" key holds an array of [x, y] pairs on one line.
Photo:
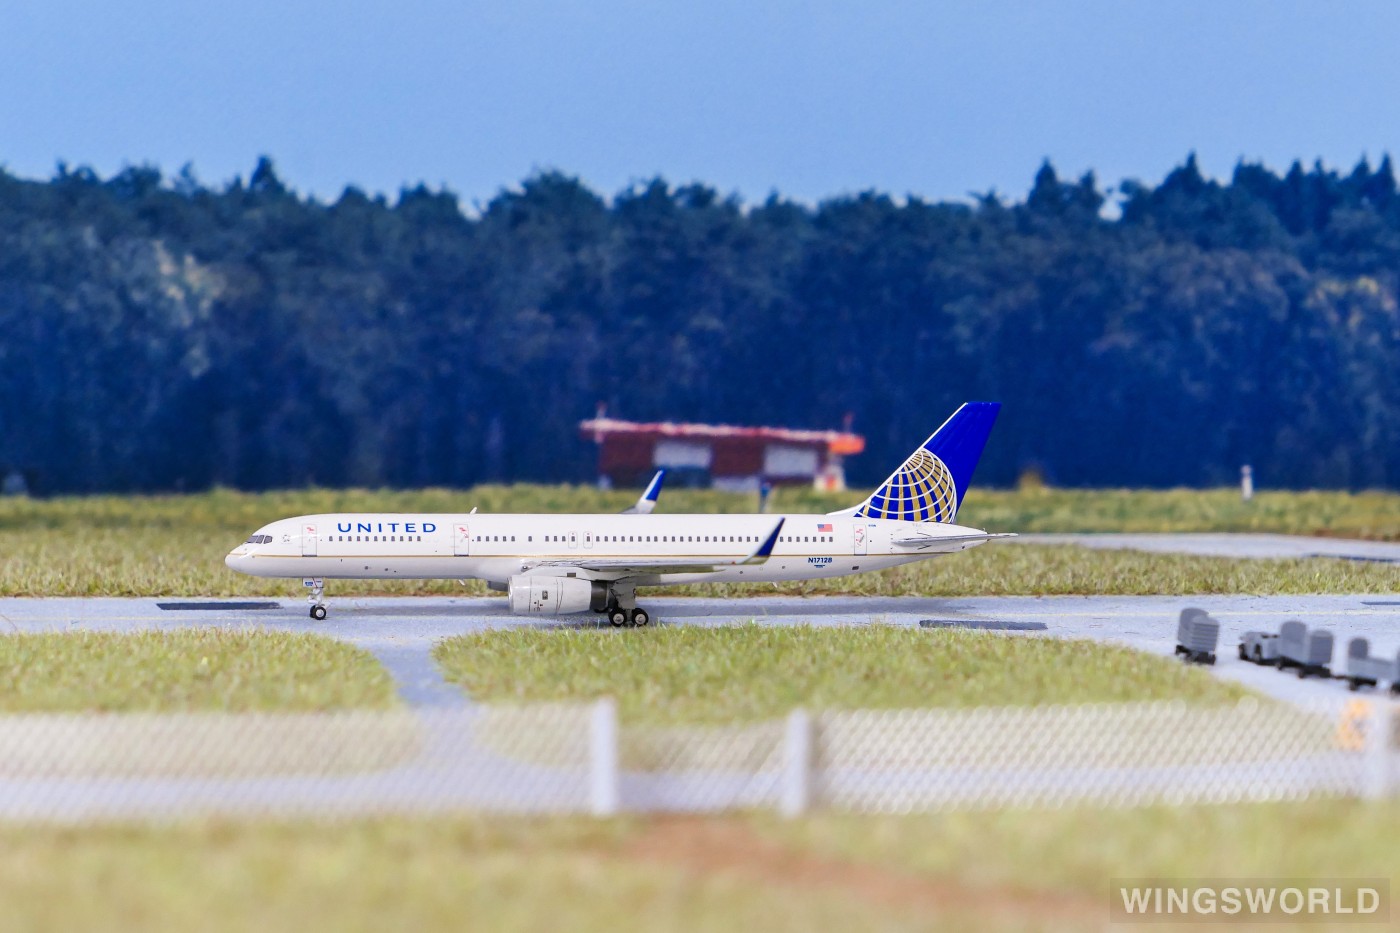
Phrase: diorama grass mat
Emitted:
{"points": [[1002, 568], [1012, 870], [188, 670], [169, 545], [1372, 514], [688, 674]]}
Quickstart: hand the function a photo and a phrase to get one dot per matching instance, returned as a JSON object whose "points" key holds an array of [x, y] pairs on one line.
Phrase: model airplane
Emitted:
{"points": [[558, 564]]}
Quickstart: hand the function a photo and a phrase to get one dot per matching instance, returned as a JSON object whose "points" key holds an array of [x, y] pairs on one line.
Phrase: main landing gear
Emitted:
{"points": [[636, 617], [622, 609], [316, 598]]}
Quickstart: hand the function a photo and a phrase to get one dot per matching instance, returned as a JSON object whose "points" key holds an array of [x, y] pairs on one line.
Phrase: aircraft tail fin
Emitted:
{"points": [[929, 486], [647, 501]]}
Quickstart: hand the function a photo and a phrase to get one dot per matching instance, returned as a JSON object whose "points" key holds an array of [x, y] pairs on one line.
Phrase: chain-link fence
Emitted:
{"points": [[566, 758]]}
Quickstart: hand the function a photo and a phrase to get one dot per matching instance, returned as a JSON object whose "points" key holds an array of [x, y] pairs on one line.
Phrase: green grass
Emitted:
{"points": [[1003, 568], [440, 875], [1076, 851], [1374, 515], [1000, 871], [169, 545], [687, 674], [188, 670]]}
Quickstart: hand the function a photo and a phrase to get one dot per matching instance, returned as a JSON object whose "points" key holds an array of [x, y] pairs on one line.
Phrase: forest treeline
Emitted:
{"points": [[157, 333]]}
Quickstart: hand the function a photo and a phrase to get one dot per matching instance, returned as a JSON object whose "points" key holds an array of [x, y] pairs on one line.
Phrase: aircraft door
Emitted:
{"points": [[461, 541], [308, 540], [860, 535]]}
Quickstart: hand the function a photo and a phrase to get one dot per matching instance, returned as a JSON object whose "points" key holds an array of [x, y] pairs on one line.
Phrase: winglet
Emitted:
{"points": [[765, 549], [647, 501], [654, 487]]}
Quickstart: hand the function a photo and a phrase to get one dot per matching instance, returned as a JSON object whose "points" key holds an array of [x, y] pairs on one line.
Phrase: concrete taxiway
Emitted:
{"points": [[1253, 546], [401, 632], [457, 762]]}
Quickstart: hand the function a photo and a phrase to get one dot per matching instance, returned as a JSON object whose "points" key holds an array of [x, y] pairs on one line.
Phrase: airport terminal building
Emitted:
{"points": [[726, 457]]}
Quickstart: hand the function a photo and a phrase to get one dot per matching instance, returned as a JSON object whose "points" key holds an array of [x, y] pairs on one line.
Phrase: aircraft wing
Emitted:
{"points": [[620, 567], [647, 501], [933, 544]]}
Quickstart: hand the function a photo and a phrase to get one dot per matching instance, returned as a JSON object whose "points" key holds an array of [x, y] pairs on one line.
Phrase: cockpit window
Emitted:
{"points": [[260, 539]]}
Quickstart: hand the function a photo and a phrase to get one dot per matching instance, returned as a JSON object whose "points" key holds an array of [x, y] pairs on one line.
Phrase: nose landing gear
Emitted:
{"points": [[316, 597]]}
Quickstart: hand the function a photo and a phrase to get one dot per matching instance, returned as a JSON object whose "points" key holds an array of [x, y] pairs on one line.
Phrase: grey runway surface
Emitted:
{"points": [[401, 632], [455, 767], [459, 767], [1230, 545]]}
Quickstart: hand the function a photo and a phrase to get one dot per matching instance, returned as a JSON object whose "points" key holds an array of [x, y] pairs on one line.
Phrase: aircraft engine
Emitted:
{"points": [[556, 595]]}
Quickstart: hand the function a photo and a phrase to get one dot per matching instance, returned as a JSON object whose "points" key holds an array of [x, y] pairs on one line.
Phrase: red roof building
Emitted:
{"points": [[719, 455]]}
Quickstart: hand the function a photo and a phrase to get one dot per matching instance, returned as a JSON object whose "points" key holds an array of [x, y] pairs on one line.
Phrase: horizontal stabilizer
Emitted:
{"points": [[934, 543]]}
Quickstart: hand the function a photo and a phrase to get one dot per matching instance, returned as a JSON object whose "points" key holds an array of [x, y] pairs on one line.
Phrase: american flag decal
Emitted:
{"points": [[824, 527]]}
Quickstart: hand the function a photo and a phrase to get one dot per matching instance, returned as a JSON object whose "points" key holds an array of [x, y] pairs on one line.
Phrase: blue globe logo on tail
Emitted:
{"points": [[930, 485], [921, 490]]}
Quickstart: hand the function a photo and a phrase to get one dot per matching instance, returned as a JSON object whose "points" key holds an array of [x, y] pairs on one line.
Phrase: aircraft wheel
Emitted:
{"points": [[640, 617], [318, 613], [618, 618]]}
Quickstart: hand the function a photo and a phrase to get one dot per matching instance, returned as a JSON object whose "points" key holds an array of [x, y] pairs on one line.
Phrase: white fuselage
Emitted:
{"points": [[498, 546]]}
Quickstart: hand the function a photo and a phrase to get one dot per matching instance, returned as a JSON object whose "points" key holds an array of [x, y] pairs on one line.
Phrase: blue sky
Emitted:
{"points": [[809, 99]]}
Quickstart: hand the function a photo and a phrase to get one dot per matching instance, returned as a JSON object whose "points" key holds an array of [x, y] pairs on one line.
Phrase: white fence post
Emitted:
{"points": [[795, 795], [603, 795], [1375, 776]]}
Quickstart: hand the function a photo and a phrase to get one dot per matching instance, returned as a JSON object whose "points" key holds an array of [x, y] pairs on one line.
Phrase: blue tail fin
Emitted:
{"points": [[646, 502], [930, 485]]}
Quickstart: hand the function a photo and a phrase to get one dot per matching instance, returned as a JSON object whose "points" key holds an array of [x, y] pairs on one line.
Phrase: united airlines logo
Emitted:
{"points": [[408, 528], [920, 490]]}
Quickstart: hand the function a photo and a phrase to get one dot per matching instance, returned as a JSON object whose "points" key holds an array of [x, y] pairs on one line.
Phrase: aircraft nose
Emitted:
{"points": [[235, 558]]}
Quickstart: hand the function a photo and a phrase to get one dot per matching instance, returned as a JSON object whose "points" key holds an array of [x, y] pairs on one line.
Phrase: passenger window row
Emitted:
{"points": [[668, 539], [632, 539], [620, 539]]}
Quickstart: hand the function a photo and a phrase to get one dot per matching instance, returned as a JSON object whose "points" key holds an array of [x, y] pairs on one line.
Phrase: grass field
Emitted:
{"points": [[687, 674], [188, 670], [1373, 515], [1012, 870], [995, 870], [1009, 569], [156, 546]]}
